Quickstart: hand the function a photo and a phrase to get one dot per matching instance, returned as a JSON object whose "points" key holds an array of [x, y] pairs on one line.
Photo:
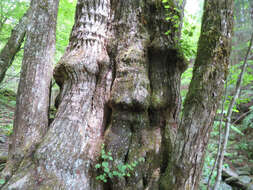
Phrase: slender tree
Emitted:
{"points": [[13, 45], [31, 115], [206, 87], [228, 118]]}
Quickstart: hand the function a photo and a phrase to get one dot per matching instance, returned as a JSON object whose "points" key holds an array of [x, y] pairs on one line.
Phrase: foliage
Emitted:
{"points": [[121, 170], [2, 181], [65, 21], [8, 129], [11, 12], [209, 162], [248, 120], [190, 35]]}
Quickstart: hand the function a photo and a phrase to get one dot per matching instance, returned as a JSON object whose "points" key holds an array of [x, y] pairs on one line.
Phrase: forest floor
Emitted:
{"points": [[7, 109]]}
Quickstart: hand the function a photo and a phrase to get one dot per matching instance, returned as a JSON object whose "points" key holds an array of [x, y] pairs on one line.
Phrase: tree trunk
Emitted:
{"points": [[31, 115], [13, 45], [206, 87], [120, 85]]}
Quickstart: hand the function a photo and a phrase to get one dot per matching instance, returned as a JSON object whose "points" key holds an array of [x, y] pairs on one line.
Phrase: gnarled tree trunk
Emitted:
{"points": [[119, 81], [120, 85]]}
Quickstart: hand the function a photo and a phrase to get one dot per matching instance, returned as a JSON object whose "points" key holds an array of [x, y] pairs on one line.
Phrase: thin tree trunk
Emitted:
{"points": [[13, 45], [228, 117], [206, 87], [31, 115], [220, 139]]}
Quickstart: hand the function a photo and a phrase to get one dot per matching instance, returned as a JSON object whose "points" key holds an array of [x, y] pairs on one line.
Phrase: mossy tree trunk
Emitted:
{"points": [[120, 85], [206, 87]]}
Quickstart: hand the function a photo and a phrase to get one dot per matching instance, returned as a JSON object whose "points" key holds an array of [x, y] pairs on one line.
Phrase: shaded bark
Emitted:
{"points": [[202, 100], [119, 84], [13, 45], [145, 95], [31, 114]]}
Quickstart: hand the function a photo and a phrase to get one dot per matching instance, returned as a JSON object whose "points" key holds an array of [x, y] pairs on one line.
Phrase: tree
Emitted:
{"points": [[13, 45], [120, 85], [206, 87], [31, 115]]}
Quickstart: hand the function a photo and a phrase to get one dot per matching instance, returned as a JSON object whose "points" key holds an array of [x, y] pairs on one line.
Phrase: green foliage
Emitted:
{"points": [[7, 129], [120, 171], [248, 120], [209, 162], [65, 22], [190, 35], [2, 181], [11, 12], [172, 15]]}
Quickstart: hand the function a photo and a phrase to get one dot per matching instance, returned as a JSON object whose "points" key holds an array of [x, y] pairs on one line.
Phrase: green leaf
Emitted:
{"points": [[97, 166], [107, 170], [235, 129], [2, 181], [105, 164], [115, 173]]}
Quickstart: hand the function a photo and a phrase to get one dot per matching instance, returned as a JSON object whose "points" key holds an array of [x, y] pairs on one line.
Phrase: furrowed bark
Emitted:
{"points": [[31, 115], [119, 84], [84, 74], [13, 45], [209, 74], [145, 94]]}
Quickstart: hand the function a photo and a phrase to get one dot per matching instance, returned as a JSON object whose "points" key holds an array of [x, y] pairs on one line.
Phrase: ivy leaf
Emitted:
{"points": [[97, 166]]}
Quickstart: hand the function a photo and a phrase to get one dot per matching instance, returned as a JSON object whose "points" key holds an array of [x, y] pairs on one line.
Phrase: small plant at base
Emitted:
{"points": [[2, 181], [121, 170]]}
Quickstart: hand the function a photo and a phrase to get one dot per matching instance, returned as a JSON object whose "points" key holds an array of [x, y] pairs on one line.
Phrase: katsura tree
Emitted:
{"points": [[119, 84]]}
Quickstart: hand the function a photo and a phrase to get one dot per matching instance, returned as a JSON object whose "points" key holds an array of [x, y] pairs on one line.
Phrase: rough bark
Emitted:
{"points": [[119, 84], [145, 95], [13, 45], [209, 74], [31, 114]]}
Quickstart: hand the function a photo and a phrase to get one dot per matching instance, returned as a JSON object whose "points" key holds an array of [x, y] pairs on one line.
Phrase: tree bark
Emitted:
{"points": [[13, 45], [31, 114], [120, 85], [209, 73]]}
